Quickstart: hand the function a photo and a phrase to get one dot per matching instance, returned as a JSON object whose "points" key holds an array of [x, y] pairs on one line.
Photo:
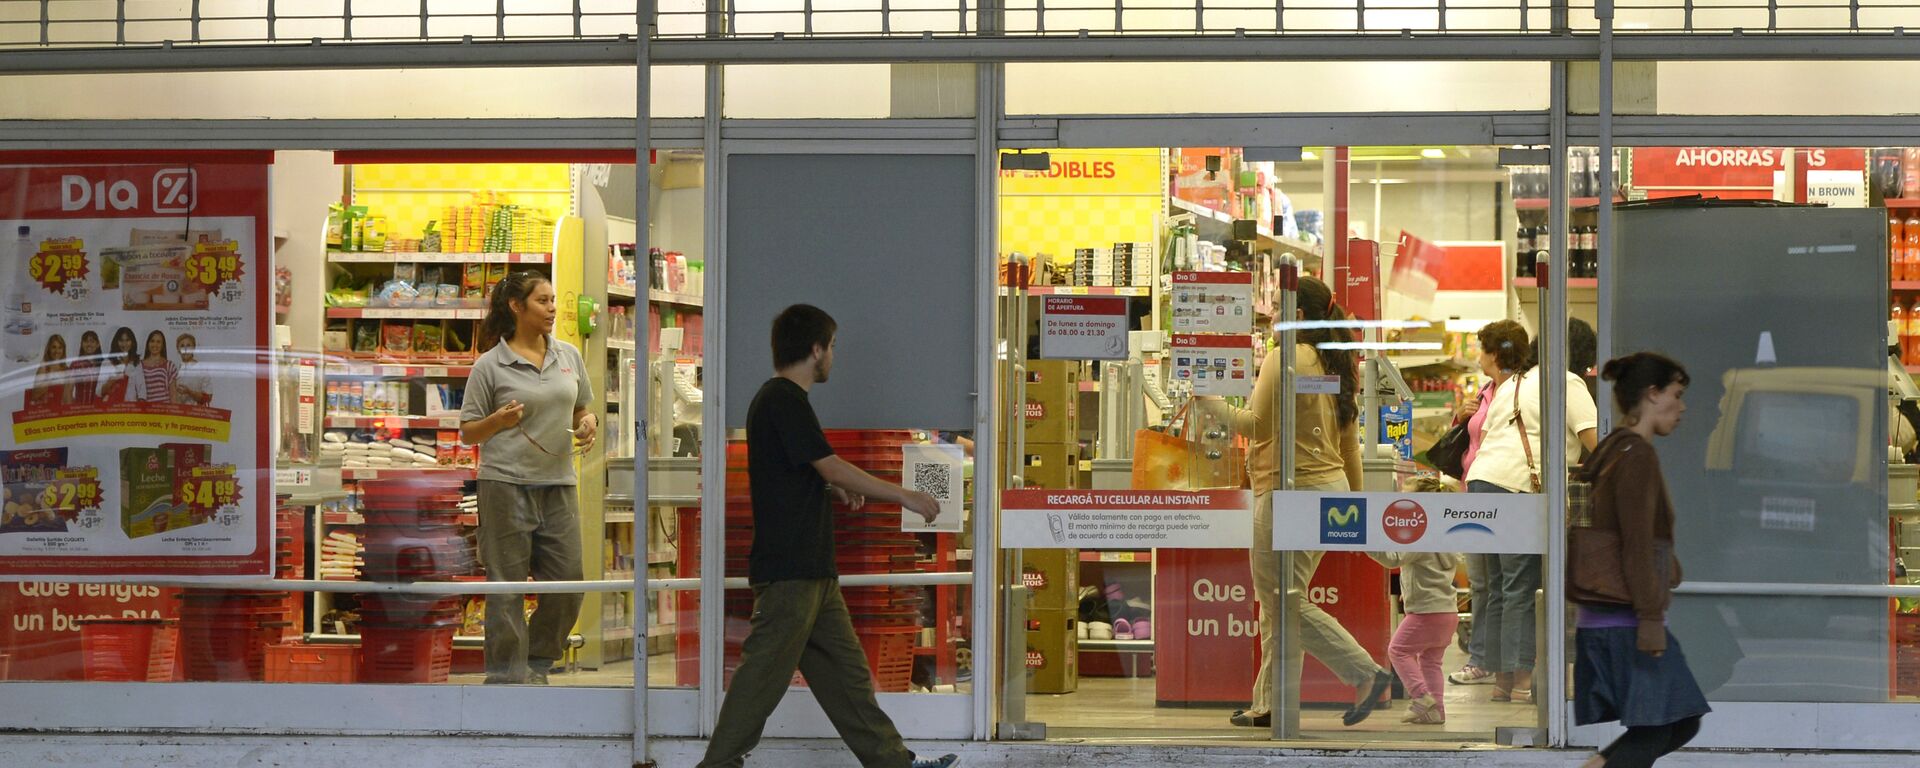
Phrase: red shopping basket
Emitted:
{"points": [[300, 663], [129, 650], [409, 653]]}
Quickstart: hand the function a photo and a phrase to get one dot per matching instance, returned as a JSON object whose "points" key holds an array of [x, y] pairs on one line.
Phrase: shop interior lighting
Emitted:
{"points": [[1026, 161], [1388, 325], [1469, 325], [1387, 346], [1308, 155], [1433, 153]]}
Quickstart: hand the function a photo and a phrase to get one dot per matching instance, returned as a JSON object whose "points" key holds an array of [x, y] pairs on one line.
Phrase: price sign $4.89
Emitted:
{"points": [[207, 490]]}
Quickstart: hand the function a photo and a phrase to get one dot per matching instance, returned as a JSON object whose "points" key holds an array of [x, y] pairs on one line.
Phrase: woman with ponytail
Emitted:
{"points": [[1629, 668], [1326, 441], [527, 404]]}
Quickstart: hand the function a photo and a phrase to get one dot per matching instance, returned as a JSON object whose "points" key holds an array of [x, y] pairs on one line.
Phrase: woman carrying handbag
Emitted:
{"points": [[1621, 572], [1508, 462]]}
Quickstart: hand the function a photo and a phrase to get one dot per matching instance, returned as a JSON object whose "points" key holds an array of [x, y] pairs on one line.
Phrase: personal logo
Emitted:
{"points": [[1344, 521], [1405, 521]]}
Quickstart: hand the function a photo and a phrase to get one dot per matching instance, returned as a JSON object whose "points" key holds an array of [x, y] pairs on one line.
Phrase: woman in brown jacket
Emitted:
{"points": [[1630, 668]]}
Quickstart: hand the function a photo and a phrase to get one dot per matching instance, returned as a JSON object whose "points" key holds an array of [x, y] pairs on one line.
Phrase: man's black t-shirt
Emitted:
{"points": [[792, 523]]}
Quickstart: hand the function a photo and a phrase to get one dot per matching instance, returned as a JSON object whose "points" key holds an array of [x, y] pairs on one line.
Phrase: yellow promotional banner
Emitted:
{"points": [[180, 422], [1091, 172], [1088, 198]]}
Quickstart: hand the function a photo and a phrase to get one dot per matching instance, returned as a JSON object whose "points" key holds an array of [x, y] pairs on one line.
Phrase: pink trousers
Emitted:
{"points": [[1416, 652]]}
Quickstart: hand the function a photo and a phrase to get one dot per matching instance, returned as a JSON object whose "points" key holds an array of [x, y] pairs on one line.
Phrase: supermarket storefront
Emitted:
{"points": [[902, 189]]}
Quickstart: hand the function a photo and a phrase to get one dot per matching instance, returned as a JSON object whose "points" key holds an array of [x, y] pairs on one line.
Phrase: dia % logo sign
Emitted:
{"points": [[214, 263], [57, 263], [207, 490], [73, 491]]}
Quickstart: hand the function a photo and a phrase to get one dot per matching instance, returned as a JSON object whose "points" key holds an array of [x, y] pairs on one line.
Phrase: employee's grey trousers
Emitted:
{"points": [[804, 625], [1320, 634], [528, 531]]}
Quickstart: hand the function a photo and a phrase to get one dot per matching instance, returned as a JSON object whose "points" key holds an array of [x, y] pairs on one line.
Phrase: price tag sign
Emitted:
{"points": [[72, 491], [1219, 365], [1212, 302], [58, 263], [1083, 328], [207, 490], [213, 264]]}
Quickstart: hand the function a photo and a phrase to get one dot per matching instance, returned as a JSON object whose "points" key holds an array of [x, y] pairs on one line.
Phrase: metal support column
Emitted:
{"points": [[1285, 705], [642, 141], [987, 480], [1551, 701]]}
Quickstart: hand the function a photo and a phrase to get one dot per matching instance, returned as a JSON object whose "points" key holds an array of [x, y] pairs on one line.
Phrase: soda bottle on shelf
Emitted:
{"points": [[1912, 238], [1898, 321], [1896, 246], [1910, 341]]}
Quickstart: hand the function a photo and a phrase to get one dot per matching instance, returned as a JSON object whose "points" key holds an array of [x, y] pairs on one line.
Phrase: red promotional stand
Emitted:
{"points": [[1207, 642]]}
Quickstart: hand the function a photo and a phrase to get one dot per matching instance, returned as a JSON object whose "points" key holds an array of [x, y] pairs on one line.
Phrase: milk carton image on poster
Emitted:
{"points": [[136, 391]]}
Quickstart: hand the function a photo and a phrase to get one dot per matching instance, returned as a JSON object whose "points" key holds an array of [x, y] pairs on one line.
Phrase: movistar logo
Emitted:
{"points": [[1345, 521], [1338, 516]]}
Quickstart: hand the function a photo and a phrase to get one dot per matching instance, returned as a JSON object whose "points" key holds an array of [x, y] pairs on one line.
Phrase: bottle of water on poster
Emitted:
{"points": [[19, 324]]}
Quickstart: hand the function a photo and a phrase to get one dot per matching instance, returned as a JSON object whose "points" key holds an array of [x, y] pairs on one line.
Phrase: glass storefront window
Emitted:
{"points": [[1824, 371], [1123, 635], [379, 304]]}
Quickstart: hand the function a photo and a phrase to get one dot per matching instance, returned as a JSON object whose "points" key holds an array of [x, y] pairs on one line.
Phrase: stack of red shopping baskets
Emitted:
{"points": [[290, 557], [412, 533], [129, 650], [868, 541], [224, 634]]}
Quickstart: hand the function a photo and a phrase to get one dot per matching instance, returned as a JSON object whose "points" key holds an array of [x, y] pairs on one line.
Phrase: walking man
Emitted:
{"points": [[799, 618]]}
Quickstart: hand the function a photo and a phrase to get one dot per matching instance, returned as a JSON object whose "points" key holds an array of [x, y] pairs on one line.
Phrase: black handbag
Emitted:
{"points": [[1449, 453]]}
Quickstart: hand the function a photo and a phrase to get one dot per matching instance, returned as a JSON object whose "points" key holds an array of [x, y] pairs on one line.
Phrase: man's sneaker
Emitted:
{"points": [[943, 761], [1471, 675]]}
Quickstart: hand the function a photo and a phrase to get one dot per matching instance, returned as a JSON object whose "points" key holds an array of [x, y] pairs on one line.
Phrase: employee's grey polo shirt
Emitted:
{"points": [[550, 393]]}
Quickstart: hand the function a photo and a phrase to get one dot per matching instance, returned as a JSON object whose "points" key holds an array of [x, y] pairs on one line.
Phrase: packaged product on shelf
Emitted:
{"points": [[447, 296], [426, 338], [459, 339], [336, 337], [495, 274], [447, 447], [406, 272], [336, 226], [473, 282], [430, 238], [366, 337], [373, 235], [443, 400], [397, 338]]}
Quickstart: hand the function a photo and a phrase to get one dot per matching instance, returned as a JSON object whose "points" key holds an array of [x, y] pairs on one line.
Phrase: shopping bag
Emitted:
{"points": [[1166, 461]]}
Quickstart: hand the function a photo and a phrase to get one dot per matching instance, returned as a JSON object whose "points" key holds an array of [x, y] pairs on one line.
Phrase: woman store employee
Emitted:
{"points": [[526, 405]]}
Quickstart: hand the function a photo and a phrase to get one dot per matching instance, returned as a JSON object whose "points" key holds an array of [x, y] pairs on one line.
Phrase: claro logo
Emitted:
{"points": [[1405, 521], [174, 190]]}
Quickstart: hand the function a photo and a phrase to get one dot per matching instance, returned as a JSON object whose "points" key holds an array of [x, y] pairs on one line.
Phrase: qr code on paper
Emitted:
{"points": [[933, 480]]}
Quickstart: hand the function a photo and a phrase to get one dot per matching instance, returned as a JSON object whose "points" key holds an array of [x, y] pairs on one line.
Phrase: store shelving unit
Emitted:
{"points": [[411, 368], [1213, 223]]}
